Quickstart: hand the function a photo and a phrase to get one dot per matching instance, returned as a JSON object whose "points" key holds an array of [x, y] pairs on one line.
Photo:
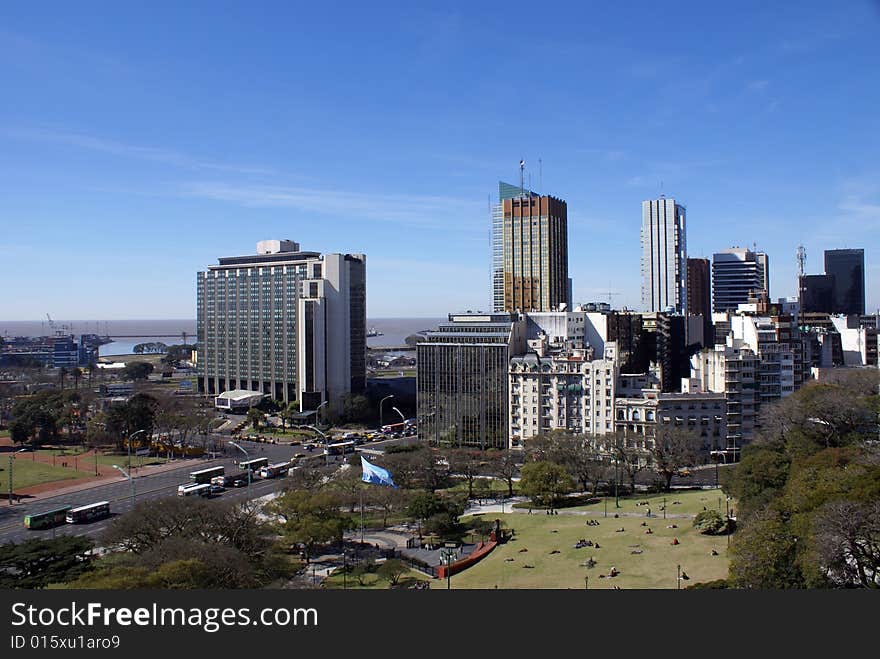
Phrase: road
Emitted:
{"points": [[147, 488]]}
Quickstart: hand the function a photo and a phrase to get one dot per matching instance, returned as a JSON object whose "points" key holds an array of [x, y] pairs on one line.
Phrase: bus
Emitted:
{"points": [[392, 428], [229, 480], [205, 475], [48, 519], [253, 465], [271, 471], [201, 489], [85, 514], [340, 448]]}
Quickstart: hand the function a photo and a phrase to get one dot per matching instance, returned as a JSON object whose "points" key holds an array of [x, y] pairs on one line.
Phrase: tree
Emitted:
{"points": [[309, 518], [37, 563], [137, 370], [355, 408], [846, 543], [255, 418], [388, 499], [545, 482], [505, 465], [392, 570], [672, 449], [231, 541], [759, 477], [466, 464], [711, 522], [440, 515], [764, 553]]}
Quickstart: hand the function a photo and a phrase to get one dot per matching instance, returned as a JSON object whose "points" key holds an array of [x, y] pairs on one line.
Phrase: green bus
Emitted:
{"points": [[47, 519]]}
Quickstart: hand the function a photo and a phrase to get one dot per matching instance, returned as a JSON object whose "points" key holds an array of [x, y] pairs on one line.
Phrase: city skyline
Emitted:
{"points": [[125, 165]]}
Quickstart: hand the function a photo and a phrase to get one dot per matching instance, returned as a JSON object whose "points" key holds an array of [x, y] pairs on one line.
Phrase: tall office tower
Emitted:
{"points": [[847, 266], [664, 256], [284, 322], [818, 293], [737, 273], [529, 251], [462, 397], [699, 297]]}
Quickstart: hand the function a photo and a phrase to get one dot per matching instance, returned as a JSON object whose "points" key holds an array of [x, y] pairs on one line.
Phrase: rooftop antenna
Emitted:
{"points": [[801, 260], [540, 176], [522, 166], [662, 196]]}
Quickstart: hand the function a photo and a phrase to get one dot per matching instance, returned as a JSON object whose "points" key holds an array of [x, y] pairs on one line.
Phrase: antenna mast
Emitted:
{"points": [[522, 166], [540, 176], [801, 260]]}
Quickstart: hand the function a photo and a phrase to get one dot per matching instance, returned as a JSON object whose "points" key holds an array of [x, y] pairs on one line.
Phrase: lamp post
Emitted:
{"points": [[616, 478], [130, 437], [130, 481], [326, 443], [728, 522], [318, 409], [382, 402], [664, 507], [246, 455], [402, 418], [587, 582], [21, 450], [447, 555], [678, 578]]}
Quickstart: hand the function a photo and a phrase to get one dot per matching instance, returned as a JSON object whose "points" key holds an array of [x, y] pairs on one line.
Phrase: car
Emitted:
{"points": [[217, 489], [239, 483]]}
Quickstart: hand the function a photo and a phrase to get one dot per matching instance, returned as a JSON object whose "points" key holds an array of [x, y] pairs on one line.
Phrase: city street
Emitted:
{"points": [[147, 488]]}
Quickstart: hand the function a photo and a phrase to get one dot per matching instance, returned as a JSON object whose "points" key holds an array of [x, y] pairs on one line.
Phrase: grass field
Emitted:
{"points": [[655, 567], [71, 457], [26, 473], [371, 581]]}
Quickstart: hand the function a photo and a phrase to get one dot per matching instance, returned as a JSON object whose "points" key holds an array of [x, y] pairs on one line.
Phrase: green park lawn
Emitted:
{"points": [[73, 457], [26, 473], [371, 581], [655, 567], [678, 502]]}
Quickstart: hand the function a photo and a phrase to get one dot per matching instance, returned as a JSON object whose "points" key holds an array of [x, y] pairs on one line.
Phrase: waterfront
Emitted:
{"points": [[171, 331]]}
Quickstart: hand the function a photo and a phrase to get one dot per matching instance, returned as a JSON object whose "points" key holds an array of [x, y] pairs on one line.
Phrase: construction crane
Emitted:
{"points": [[609, 294], [51, 322]]}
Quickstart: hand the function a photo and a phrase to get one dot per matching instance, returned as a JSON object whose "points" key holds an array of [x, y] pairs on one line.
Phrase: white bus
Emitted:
{"points": [[88, 513], [271, 471], [201, 489], [253, 465]]}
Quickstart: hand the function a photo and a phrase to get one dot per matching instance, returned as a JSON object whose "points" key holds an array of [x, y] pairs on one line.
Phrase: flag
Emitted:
{"points": [[374, 474]]}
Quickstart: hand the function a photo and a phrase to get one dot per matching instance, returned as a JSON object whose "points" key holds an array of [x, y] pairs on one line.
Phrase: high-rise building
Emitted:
{"points": [[847, 266], [529, 251], [285, 322], [736, 274], [664, 256], [818, 293], [462, 382], [699, 297]]}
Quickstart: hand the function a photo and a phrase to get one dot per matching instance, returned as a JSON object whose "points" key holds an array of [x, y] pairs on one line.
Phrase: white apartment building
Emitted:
{"points": [[705, 413], [571, 390]]}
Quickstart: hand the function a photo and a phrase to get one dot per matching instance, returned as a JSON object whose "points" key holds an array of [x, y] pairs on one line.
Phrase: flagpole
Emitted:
{"points": [[362, 514]]}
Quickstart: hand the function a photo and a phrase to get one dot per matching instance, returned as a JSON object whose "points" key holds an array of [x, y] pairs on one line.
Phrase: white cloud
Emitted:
{"points": [[423, 211], [153, 154]]}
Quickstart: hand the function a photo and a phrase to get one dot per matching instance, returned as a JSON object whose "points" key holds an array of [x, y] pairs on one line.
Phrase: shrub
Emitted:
{"points": [[711, 522]]}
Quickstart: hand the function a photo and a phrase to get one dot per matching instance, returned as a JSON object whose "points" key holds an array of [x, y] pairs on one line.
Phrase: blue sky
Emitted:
{"points": [[138, 144]]}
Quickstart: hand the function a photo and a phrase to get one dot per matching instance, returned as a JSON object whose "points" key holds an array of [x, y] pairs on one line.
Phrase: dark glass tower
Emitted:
{"points": [[847, 266]]}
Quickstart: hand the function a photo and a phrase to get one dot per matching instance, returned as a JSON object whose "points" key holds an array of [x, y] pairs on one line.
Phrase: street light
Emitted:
{"points": [[447, 556], [246, 455], [318, 409], [381, 402], [130, 481], [326, 443], [402, 418], [130, 437], [21, 450]]}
